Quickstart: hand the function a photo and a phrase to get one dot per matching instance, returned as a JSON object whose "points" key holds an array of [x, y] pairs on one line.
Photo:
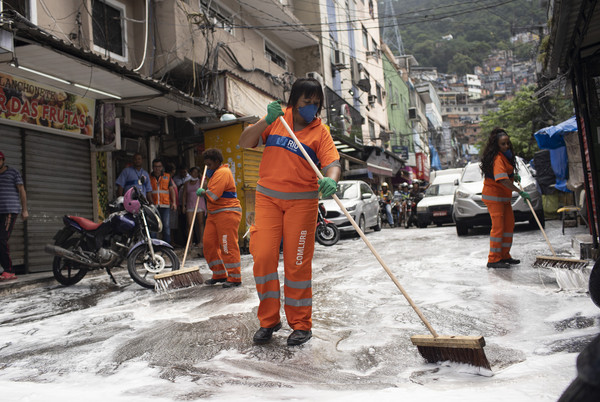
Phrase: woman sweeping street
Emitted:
{"points": [[221, 248], [286, 207], [498, 166]]}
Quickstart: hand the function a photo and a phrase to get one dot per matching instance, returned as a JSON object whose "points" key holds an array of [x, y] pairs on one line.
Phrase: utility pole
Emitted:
{"points": [[389, 28]]}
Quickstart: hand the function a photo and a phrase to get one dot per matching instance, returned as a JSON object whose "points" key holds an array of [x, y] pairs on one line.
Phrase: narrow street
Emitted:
{"points": [[99, 341]]}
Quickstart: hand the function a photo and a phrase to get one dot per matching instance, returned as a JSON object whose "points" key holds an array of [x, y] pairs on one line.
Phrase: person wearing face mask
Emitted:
{"points": [[286, 207], [498, 166]]}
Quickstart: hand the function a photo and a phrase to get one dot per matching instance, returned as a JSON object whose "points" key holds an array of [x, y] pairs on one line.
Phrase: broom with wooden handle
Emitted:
{"points": [[554, 261], [184, 277], [434, 347]]}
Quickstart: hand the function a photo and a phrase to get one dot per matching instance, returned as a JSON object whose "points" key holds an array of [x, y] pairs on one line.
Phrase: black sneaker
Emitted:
{"points": [[511, 261], [498, 264], [263, 335], [215, 281], [227, 285], [298, 337]]}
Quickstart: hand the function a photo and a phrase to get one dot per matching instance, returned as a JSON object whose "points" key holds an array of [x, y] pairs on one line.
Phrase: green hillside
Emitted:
{"points": [[476, 26]]}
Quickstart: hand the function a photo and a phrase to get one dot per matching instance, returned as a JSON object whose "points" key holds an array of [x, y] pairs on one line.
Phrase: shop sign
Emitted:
{"points": [[28, 102]]}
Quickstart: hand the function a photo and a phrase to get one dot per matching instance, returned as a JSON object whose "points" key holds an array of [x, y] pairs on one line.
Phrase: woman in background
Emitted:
{"points": [[189, 202]]}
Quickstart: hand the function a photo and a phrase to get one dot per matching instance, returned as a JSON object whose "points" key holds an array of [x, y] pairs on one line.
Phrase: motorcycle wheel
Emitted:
{"points": [[327, 234], [65, 271], [142, 269]]}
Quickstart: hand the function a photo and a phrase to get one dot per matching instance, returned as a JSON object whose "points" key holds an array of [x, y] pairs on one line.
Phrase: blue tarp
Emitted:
{"points": [[436, 164], [552, 138]]}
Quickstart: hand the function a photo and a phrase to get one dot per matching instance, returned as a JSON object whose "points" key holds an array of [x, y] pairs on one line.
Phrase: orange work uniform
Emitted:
{"points": [[286, 207], [160, 190], [497, 198], [221, 248]]}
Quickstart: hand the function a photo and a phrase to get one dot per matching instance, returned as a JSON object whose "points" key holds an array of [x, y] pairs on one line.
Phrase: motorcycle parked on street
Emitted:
{"points": [[83, 245], [326, 233], [410, 212]]}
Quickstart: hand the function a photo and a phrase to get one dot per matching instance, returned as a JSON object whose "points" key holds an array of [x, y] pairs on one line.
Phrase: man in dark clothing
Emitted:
{"points": [[13, 201]]}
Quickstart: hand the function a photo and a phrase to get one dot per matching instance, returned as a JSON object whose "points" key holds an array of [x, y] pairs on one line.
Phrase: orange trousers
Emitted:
{"points": [[503, 226], [221, 248], [294, 221]]}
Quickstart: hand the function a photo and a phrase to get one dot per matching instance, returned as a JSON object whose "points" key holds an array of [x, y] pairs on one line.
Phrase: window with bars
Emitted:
{"points": [[109, 27], [275, 56]]}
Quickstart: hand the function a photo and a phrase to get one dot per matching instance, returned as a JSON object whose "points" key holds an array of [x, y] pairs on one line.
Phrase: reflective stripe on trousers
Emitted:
{"points": [[501, 234], [221, 248], [295, 222]]}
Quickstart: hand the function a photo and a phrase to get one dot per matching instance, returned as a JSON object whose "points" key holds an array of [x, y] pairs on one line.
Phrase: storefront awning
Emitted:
{"points": [[380, 170]]}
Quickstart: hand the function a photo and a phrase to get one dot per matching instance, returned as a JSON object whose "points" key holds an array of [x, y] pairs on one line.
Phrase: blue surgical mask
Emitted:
{"points": [[210, 172], [508, 154], [308, 112]]}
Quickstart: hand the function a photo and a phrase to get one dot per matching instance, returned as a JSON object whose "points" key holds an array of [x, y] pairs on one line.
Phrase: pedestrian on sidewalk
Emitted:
{"points": [[286, 206], [221, 248], [498, 165], [13, 201]]}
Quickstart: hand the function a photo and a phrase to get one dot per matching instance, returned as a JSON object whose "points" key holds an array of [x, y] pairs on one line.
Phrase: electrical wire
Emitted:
{"points": [[145, 38]]}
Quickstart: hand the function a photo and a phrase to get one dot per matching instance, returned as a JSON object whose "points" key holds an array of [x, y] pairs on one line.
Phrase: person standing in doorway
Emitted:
{"points": [[135, 176], [13, 201], [498, 166], [163, 196], [286, 206], [221, 248]]}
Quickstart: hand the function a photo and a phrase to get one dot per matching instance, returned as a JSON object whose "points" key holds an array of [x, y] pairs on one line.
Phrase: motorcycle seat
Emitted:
{"points": [[85, 224]]}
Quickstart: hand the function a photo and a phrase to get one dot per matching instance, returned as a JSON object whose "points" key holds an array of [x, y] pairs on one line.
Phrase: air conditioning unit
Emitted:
{"points": [[371, 99], [338, 59], [371, 53], [316, 76], [412, 113], [130, 145]]}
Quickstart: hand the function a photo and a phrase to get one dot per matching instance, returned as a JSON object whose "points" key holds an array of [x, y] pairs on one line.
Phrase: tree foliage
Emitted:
{"points": [[523, 115]]}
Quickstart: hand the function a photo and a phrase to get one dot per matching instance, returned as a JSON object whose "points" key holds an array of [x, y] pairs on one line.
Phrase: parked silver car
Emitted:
{"points": [[468, 209], [361, 203]]}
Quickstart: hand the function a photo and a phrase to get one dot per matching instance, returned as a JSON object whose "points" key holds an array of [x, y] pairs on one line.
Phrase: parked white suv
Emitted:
{"points": [[469, 210]]}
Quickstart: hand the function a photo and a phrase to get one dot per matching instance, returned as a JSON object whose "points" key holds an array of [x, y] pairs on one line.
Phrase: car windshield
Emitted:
{"points": [[472, 173], [347, 191], [440, 189]]}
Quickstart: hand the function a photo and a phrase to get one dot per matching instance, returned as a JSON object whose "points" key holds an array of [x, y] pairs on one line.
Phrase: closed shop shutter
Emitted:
{"points": [[10, 145], [58, 183]]}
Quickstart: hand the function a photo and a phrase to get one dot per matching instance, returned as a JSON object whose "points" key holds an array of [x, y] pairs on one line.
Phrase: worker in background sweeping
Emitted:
{"points": [[221, 248], [286, 206], [498, 166]]}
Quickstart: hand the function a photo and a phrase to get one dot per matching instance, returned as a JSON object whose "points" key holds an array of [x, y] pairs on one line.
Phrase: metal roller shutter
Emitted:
{"points": [[10, 145], [58, 183]]}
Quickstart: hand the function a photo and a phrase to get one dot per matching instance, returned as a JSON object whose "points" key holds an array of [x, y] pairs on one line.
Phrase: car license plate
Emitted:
{"points": [[440, 213]]}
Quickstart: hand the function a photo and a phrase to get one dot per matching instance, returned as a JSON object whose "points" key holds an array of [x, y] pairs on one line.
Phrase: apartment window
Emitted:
{"points": [[365, 37], [372, 130], [218, 16], [379, 93], [109, 27], [375, 50], [274, 55], [20, 6]]}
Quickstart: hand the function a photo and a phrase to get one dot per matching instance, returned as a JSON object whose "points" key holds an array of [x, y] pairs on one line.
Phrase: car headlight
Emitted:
{"points": [[351, 208], [421, 209], [461, 194]]}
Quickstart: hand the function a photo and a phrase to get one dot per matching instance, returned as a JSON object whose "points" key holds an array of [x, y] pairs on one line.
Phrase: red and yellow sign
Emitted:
{"points": [[25, 101]]}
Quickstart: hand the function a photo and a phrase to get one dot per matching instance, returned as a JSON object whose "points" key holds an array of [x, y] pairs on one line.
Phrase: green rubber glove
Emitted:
{"points": [[525, 195], [517, 178], [327, 186], [200, 192], [273, 112]]}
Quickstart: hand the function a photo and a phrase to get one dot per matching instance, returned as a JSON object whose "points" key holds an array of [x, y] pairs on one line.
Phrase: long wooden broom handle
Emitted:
{"points": [[538, 221], [360, 232], [187, 245]]}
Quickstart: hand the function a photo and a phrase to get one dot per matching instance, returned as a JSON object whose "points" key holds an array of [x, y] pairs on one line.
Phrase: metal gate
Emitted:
{"points": [[59, 182], [10, 145]]}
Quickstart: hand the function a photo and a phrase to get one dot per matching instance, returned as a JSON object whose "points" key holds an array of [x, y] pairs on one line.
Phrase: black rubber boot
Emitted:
{"points": [[264, 335], [511, 261], [498, 264], [214, 281], [298, 337], [227, 285]]}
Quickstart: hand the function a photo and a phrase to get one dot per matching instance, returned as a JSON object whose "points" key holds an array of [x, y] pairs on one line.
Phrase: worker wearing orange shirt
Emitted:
{"points": [[498, 167], [221, 248], [286, 207]]}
